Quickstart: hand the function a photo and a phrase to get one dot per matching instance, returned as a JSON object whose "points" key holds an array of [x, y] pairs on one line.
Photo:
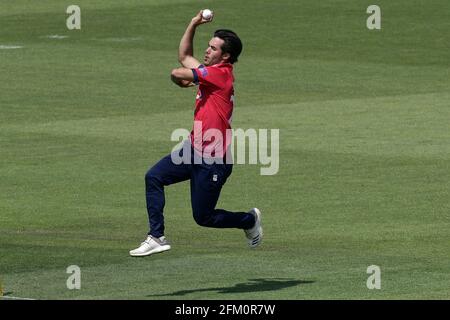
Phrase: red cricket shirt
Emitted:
{"points": [[213, 109]]}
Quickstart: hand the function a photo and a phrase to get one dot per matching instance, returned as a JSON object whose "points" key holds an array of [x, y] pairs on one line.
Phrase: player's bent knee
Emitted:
{"points": [[152, 177], [203, 219]]}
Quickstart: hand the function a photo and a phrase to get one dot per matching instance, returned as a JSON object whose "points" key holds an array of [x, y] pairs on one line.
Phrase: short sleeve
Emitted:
{"points": [[209, 76]]}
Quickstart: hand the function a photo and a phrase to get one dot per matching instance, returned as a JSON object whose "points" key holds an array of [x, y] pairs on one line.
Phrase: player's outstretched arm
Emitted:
{"points": [[186, 48]]}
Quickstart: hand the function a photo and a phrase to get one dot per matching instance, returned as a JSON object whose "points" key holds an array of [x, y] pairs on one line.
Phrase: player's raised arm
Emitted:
{"points": [[186, 49]]}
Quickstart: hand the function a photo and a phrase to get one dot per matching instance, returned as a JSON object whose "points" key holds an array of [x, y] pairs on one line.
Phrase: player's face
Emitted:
{"points": [[213, 54]]}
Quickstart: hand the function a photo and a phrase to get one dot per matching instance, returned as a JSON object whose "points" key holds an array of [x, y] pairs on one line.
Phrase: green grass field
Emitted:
{"points": [[364, 179]]}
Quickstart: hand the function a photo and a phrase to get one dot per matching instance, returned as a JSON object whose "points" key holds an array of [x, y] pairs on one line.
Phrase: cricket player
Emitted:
{"points": [[207, 170]]}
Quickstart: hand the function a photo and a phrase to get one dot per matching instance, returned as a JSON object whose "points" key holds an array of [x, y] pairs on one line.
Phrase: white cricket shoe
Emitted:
{"points": [[255, 234], [150, 246]]}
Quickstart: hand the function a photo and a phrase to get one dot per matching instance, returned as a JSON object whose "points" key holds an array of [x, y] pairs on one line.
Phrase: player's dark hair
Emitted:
{"points": [[231, 43]]}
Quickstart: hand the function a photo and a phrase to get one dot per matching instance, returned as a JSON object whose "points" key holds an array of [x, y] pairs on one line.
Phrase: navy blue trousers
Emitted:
{"points": [[206, 183]]}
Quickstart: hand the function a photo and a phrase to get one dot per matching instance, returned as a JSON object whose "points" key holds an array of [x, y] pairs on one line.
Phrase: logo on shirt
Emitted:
{"points": [[203, 71]]}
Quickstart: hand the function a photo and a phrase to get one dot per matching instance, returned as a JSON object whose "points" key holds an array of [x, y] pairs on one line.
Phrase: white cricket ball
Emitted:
{"points": [[206, 14]]}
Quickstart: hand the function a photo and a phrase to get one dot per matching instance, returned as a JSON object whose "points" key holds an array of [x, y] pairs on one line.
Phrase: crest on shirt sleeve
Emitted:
{"points": [[203, 71]]}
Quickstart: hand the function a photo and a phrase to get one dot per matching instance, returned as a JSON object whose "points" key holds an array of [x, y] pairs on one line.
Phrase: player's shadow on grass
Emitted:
{"points": [[254, 285]]}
